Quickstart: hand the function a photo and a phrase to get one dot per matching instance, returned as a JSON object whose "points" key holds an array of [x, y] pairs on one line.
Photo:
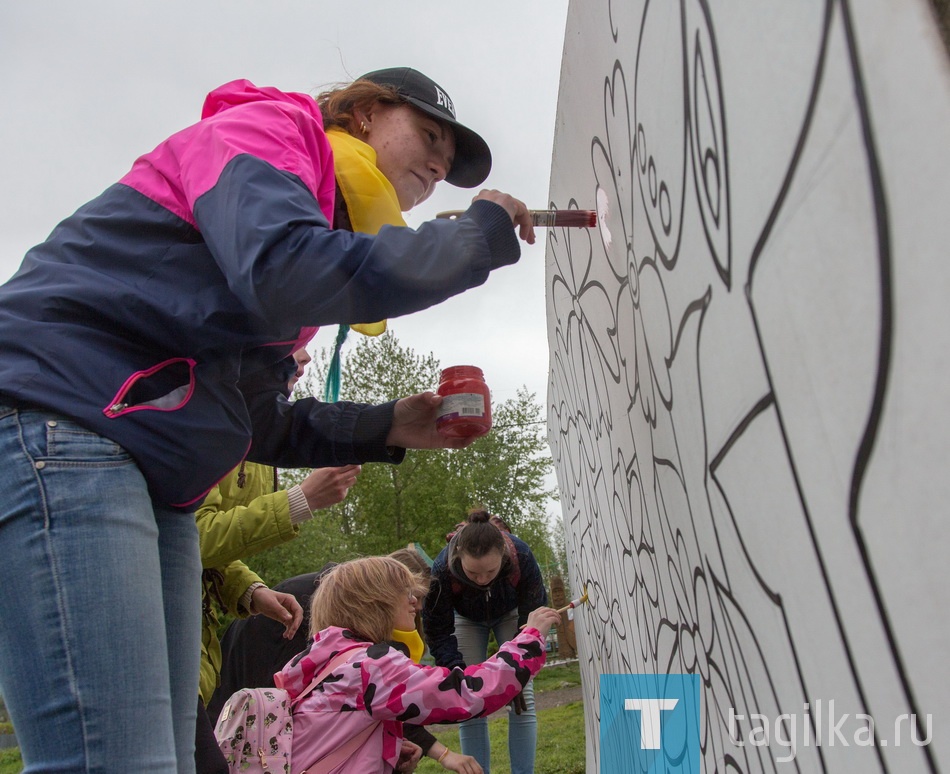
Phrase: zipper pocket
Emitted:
{"points": [[164, 387]]}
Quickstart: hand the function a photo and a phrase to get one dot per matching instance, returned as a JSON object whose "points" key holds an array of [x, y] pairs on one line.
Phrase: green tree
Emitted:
{"points": [[942, 10], [423, 498], [505, 471]]}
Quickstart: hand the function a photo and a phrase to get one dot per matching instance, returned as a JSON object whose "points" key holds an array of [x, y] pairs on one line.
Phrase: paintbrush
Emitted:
{"points": [[574, 603], [570, 605], [568, 218]]}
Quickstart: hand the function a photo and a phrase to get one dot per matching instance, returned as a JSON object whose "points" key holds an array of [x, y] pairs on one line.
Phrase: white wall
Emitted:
{"points": [[750, 361]]}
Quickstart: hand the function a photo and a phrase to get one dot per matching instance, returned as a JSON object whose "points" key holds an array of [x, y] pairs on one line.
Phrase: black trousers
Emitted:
{"points": [[208, 756]]}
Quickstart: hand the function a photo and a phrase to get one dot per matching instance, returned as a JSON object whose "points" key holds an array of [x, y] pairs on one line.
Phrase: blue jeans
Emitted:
{"points": [[100, 609], [472, 637]]}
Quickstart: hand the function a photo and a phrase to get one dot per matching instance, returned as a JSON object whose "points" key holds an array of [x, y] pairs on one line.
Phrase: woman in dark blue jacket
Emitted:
{"points": [[145, 350], [485, 581]]}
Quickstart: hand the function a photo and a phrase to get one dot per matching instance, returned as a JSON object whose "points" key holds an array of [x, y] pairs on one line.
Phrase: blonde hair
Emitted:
{"points": [[362, 595]]}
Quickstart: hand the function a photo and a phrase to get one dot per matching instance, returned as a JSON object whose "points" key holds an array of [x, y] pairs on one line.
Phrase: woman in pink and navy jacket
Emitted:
{"points": [[369, 696], [145, 349]]}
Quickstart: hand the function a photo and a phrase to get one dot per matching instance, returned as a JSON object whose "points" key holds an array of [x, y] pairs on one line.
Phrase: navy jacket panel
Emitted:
{"points": [[267, 232], [150, 323]]}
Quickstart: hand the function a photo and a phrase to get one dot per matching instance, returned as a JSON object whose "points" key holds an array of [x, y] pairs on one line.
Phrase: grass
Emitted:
{"points": [[10, 761], [561, 748], [561, 740], [557, 676], [561, 744]]}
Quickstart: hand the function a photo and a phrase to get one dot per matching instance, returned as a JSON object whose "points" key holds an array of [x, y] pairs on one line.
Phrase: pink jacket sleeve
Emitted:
{"points": [[395, 687]]}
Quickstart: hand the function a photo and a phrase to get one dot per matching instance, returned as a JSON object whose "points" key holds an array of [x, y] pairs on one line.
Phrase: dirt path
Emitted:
{"points": [[557, 697]]}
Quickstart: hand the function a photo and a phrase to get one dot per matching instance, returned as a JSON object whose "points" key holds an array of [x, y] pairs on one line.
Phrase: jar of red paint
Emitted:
{"points": [[466, 403]]}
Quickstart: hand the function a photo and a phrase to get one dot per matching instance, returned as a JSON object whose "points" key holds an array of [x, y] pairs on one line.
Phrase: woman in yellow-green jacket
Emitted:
{"points": [[247, 513]]}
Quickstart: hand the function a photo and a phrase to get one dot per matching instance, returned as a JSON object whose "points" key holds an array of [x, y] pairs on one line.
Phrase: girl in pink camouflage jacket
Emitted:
{"points": [[356, 607]]}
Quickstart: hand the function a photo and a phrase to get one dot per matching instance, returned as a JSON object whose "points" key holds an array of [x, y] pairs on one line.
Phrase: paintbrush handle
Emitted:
{"points": [[544, 218], [568, 606], [559, 610], [573, 603], [538, 217]]}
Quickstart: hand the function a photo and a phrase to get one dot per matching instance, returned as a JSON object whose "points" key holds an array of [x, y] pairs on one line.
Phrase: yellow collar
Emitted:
{"points": [[413, 641], [370, 198]]}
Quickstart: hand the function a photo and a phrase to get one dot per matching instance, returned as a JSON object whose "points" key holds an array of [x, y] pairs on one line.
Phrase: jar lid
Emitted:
{"points": [[462, 371]]}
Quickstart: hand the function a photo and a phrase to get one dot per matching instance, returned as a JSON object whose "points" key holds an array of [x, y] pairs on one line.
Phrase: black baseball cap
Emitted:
{"points": [[472, 161]]}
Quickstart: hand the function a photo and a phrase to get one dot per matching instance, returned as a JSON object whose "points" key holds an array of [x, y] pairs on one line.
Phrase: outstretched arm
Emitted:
{"points": [[420, 694]]}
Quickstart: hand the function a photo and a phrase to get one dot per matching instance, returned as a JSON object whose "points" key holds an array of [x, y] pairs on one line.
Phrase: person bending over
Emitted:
{"points": [[485, 581], [145, 348]]}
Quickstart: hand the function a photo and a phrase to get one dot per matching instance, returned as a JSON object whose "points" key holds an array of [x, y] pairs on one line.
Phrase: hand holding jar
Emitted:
{"points": [[466, 403]]}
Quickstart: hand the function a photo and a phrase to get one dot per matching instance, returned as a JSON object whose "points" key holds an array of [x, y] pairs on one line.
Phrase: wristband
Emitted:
{"points": [[445, 752], [247, 598], [299, 507]]}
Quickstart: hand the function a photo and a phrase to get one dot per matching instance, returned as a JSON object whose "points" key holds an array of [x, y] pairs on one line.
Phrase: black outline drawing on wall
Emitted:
{"points": [[659, 501]]}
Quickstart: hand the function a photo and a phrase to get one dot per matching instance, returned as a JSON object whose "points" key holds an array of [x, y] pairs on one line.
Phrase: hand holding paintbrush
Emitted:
{"points": [[547, 218], [542, 619], [569, 606]]}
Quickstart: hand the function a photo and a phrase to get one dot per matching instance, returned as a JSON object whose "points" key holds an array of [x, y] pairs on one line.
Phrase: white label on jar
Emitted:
{"points": [[463, 404]]}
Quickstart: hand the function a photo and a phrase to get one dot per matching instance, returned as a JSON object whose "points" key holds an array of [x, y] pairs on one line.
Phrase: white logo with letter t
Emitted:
{"points": [[650, 710]]}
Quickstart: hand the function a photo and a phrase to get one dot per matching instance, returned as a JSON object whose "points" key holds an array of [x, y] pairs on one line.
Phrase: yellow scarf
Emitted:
{"points": [[411, 640], [370, 198]]}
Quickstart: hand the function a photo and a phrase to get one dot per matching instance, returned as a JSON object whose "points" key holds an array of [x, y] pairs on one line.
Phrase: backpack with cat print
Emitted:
{"points": [[255, 729]]}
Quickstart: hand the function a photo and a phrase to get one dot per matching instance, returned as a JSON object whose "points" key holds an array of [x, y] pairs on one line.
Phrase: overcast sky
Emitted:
{"points": [[91, 85]]}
